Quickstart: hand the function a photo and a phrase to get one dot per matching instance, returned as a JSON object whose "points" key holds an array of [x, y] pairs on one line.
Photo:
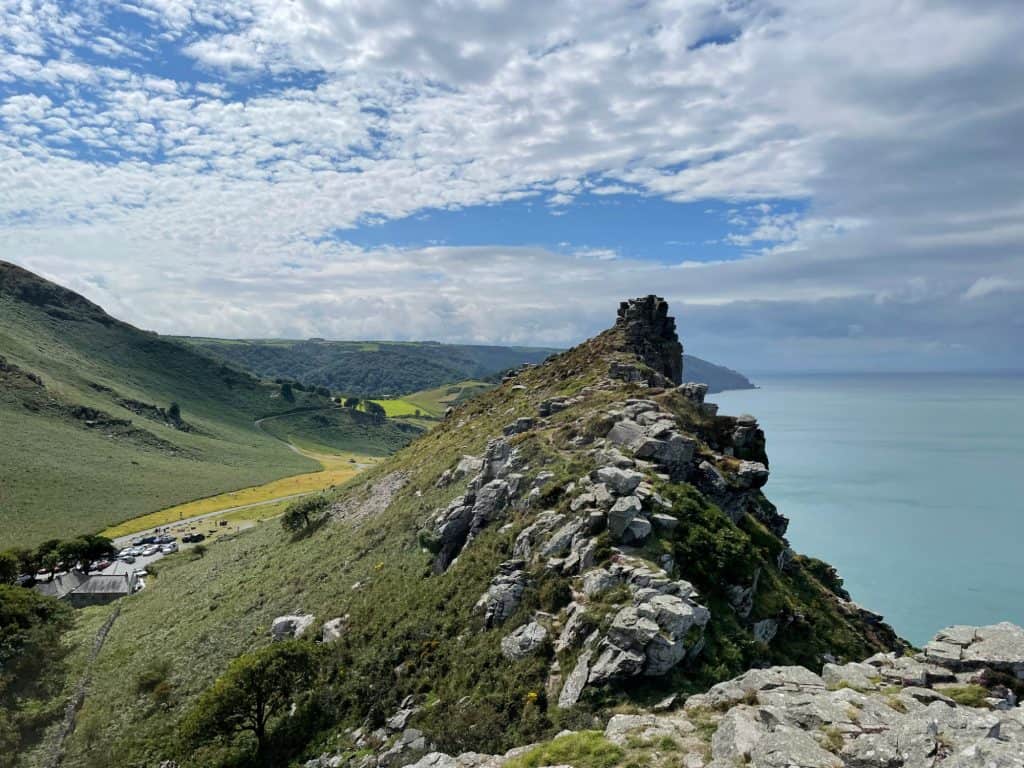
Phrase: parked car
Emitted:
{"points": [[102, 565], [168, 549], [129, 558], [192, 538], [150, 551]]}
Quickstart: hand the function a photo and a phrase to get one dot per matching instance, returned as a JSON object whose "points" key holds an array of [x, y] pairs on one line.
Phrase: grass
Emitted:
{"points": [[584, 749], [399, 407], [337, 470], [971, 695], [434, 402], [411, 632], [62, 477]]}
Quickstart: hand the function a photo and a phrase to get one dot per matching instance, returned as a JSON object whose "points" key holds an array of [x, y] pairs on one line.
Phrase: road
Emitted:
{"points": [[124, 541]]}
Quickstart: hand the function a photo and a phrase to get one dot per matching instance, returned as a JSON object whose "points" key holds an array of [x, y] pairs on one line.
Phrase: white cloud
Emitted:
{"points": [[896, 125]]}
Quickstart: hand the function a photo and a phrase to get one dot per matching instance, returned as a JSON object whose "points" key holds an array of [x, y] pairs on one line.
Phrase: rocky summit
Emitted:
{"points": [[625, 494], [579, 567]]}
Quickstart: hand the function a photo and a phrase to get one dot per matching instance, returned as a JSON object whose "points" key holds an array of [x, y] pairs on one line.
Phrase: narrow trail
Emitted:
{"points": [[74, 705]]}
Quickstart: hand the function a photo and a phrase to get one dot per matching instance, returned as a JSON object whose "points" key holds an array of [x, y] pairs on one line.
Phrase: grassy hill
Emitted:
{"points": [[368, 368], [389, 369], [87, 433], [414, 628]]}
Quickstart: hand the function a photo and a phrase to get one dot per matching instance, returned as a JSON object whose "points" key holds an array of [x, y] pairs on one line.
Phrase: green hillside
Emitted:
{"points": [[383, 369], [88, 434], [416, 621], [368, 368]]}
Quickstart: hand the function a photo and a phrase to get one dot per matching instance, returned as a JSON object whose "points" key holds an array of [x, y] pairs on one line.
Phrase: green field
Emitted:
{"points": [[385, 369], [435, 401], [64, 471]]}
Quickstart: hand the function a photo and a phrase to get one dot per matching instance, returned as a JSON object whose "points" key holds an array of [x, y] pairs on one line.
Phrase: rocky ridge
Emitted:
{"points": [[603, 492]]}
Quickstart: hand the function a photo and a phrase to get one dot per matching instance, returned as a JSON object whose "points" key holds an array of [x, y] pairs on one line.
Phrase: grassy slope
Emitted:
{"points": [[340, 429], [369, 369], [59, 477], [197, 615]]}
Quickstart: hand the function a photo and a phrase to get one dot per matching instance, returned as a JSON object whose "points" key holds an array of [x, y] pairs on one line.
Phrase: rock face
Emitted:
{"points": [[651, 335], [790, 717]]}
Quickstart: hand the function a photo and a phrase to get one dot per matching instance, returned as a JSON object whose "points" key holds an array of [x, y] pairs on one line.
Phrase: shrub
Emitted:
{"points": [[301, 514], [154, 675], [554, 594]]}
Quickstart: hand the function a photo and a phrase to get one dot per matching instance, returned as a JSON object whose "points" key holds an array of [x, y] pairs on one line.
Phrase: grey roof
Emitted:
{"points": [[61, 584], [105, 585]]}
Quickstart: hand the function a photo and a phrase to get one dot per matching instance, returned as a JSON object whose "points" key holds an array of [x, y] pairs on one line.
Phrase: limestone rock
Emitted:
{"points": [[524, 641], [293, 626], [620, 481], [504, 593], [334, 629]]}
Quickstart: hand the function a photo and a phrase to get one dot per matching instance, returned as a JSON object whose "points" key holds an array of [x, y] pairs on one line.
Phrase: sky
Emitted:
{"points": [[812, 184]]}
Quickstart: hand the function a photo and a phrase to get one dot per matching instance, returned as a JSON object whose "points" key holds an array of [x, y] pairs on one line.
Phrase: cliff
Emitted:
{"points": [[588, 539]]}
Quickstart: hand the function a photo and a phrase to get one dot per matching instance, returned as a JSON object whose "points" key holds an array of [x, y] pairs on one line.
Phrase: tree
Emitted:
{"points": [[10, 567], [376, 410], [174, 412], [351, 402], [300, 514], [323, 392], [255, 688], [286, 392]]}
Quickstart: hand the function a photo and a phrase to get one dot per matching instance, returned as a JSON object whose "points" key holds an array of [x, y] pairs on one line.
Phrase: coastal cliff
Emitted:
{"points": [[579, 567]]}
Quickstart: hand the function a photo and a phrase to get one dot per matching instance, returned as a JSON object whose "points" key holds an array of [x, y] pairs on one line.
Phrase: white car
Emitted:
{"points": [[150, 551], [168, 549]]}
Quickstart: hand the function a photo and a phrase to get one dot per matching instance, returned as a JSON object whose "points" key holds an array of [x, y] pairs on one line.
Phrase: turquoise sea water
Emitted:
{"points": [[911, 485]]}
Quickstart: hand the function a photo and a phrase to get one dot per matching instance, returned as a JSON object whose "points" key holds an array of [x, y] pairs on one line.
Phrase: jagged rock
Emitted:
{"points": [[738, 733], [637, 531], [529, 537], [622, 514], [560, 541], [575, 627], [520, 425], [788, 679], [765, 630], [856, 675], [598, 581], [751, 474], [625, 433], [399, 720], [613, 662], [693, 391], [997, 646], [491, 500], [285, 627], [408, 743], [650, 333], [620, 481], [574, 684], [504, 593], [334, 629], [467, 467], [524, 641], [789, 748]]}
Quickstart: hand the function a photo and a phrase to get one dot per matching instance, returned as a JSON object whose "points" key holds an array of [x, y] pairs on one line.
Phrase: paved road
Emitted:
{"points": [[124, 541]]}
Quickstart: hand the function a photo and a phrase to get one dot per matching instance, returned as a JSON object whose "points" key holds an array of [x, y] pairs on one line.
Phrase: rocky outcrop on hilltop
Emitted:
{"points": [[650, 334]]}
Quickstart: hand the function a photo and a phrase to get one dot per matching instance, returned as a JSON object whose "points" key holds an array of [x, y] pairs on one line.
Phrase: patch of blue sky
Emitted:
{"points": [[670, 232]]}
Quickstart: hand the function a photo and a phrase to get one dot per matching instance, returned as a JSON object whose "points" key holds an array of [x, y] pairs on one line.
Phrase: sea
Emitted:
{"points": [[911, 485]]}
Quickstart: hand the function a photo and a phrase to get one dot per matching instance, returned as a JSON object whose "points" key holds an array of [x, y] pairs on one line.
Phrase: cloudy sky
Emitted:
{"points": [[813, 184]]}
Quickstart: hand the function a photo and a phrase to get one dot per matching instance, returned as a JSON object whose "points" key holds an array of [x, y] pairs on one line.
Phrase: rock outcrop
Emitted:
{"points": [[847, 717], [651, 335]]}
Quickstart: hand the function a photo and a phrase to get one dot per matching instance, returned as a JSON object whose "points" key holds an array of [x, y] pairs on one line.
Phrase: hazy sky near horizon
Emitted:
{"points": [[813, 184]]}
